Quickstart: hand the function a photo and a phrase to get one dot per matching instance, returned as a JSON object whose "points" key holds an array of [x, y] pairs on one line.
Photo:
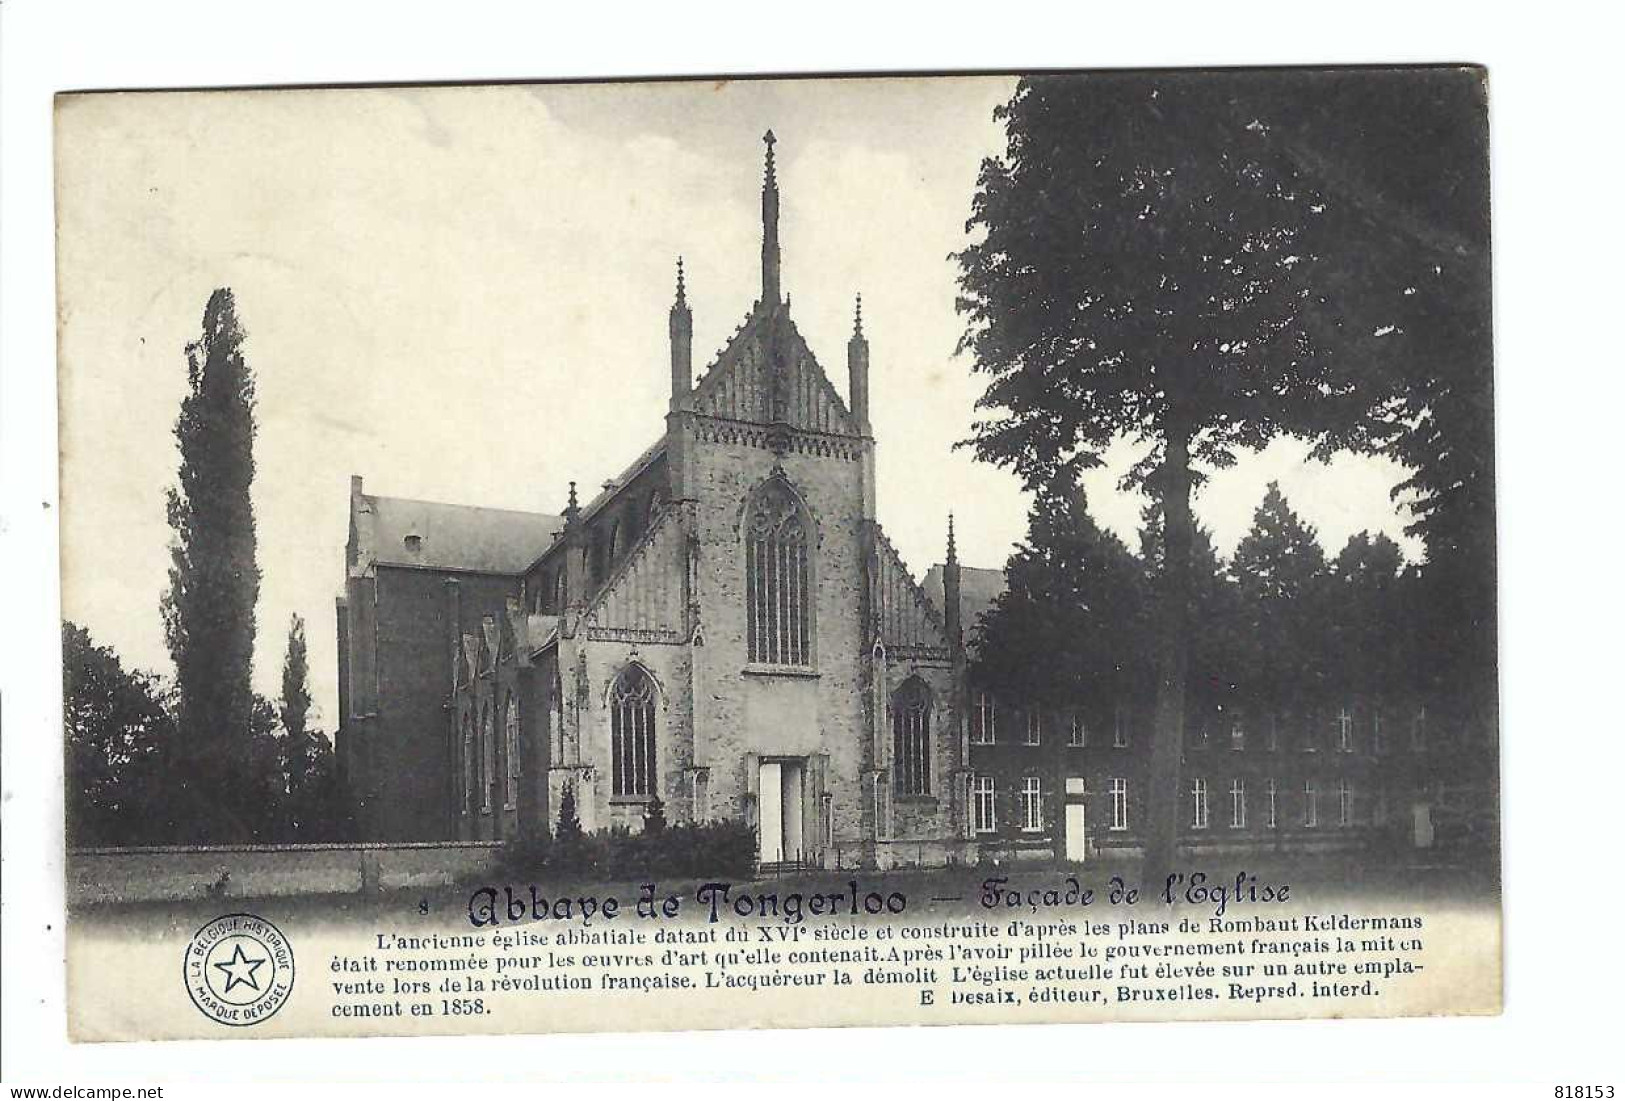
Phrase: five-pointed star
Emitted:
{"points": [[240, 969]]}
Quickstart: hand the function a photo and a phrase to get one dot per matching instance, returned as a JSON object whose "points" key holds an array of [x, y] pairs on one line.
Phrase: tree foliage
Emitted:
{"points": [[1070, 624], [214, 580], [1151, 266], [119, 736]]}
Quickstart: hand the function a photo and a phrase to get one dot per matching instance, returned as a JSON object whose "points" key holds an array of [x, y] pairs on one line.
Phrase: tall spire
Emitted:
{"points": [[953, 552], [857, 370], [770, 229], [681, 329]]}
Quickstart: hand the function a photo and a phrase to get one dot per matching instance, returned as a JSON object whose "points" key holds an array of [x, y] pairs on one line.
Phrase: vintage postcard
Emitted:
{"points": [[778, 553]]}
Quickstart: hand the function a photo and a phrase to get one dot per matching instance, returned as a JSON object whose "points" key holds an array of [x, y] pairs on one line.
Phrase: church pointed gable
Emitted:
{"points": [[642, 600], [767, 374], [910, 624]]}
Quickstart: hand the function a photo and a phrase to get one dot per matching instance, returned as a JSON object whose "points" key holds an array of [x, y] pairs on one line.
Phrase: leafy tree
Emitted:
{"points": [[313, 805], [214, 580], [569, 824], [654, 816], [1372, 650], [1147, 269], [119, 737], [1281, 576], [1403, 160], [1069, 625], [295, 706]]}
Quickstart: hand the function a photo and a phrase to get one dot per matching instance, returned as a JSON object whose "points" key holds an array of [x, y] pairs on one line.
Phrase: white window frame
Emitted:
{"points": [[984, 804], [1033, 731], [1345, 804], [1199, 816], [1271, 821], [1238, 804], [1119, 789], [1311, 805], [1379, 740], [1032, 804], [1238, 735], [1345, 730], [1119, 728]]}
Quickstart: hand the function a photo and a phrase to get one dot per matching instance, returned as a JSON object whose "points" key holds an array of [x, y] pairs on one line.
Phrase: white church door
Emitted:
{"points": [[1077, 835], [1421, 825], [780, 793]]}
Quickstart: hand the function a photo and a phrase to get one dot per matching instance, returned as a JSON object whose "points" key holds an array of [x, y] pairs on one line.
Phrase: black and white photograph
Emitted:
{"points": [[778, 552]]}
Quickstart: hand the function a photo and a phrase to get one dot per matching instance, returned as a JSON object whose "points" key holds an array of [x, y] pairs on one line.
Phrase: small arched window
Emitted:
{"points": [[777, 579], [911, 738], [632, 732]]}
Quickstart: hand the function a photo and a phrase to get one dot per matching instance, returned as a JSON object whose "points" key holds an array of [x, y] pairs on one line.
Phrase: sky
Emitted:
{"points": [[461, 294]]}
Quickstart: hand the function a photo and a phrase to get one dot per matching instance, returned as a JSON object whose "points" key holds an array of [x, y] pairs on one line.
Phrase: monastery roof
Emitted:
{"points": [[454, 537]]}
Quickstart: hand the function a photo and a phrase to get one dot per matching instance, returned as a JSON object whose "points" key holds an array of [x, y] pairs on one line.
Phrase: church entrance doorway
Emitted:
{"points": [[1077, 834], [781, 792]]}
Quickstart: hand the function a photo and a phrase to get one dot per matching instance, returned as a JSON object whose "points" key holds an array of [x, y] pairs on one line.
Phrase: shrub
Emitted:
{"points": [[724, 850]]}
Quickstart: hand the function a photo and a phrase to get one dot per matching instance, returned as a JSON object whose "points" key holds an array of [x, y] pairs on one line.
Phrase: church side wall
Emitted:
{"points": [[411, 790]]}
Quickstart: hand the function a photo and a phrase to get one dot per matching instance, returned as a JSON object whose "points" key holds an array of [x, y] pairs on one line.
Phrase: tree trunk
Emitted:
{"points": [[1173, 648]]}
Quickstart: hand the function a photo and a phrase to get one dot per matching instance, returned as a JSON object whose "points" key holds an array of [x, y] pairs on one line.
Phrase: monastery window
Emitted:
{"points": [[1034, 734], [488, 763], [984, 719], [1345, 731], [1238, 734], [1032, 804], [632, 733], [1311, 805], [1199, 804], [1269, 804], [1238, 804], [982, 806], [1077, 735], [1345, 804], [1119, 802], [1119, 728], [1419, 730], [778, 583], [911, 738], [510, 751], [1379, 740]]}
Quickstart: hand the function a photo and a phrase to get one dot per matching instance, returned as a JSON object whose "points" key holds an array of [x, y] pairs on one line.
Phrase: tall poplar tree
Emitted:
{"points": [[213, 577], [1147, 268]]}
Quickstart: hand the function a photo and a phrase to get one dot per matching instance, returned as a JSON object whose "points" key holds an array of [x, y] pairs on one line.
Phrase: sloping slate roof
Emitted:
{"points": [[978, 590], [458, 537]]}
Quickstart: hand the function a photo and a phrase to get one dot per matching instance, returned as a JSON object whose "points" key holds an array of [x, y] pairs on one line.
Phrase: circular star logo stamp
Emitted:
{"points": [[238, 969]]}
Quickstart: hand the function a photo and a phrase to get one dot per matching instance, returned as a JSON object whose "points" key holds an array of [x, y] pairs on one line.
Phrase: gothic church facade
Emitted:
{"points": [[724, 628]]}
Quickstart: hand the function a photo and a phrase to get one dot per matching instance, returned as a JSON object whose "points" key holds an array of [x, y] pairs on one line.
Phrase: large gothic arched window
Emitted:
{"points": [[777, 579], [911, 738], [632, 732]]}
